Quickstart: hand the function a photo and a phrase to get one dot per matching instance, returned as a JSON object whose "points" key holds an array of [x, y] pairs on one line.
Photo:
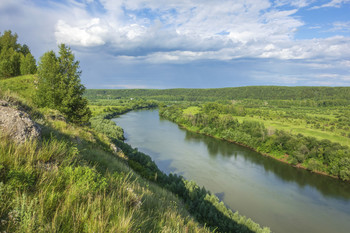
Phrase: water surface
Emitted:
{"points": [[273, 194]]}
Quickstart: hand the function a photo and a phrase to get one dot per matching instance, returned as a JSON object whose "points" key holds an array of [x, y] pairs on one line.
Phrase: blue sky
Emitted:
{"points": [[191, 43]]}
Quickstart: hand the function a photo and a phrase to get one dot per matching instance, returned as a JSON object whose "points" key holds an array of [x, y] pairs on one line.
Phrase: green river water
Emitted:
{"points": [[273, 194]]}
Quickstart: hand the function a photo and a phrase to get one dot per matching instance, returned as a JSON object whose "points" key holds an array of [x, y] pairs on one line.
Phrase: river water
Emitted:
{"points": [[273, 194]]}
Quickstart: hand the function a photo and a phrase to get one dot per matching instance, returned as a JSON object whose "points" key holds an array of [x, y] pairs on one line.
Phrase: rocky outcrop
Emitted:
{"points": [[17, 124]]}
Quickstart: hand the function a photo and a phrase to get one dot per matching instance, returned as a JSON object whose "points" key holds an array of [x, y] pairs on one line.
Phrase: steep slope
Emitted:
{"points": [[71, 181], [76, 179]]}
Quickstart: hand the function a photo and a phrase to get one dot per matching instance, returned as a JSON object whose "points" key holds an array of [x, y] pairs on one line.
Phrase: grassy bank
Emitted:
{"points": [[75, 180], [71, 181], [221, 121]]}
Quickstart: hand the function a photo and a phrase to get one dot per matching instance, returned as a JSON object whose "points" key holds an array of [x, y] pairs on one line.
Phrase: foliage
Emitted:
{"points": [[220, 121], [9, 62], [15, 59], [62, 184], [59, 85], [28, 65], [109, 128], [205, 207], [315, 96], [47, 93]]}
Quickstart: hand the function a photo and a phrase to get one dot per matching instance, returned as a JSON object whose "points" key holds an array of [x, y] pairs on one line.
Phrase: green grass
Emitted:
{"points": [[61, 185], [24, 85], [299, 128], [191, 110], [71, 181]]}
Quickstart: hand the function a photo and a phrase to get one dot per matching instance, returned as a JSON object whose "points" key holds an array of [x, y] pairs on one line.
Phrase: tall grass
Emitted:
{"points": [[55, 185]]}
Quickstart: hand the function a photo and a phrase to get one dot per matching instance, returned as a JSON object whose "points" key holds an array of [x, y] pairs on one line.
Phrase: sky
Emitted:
{"points": [[191, 43]]}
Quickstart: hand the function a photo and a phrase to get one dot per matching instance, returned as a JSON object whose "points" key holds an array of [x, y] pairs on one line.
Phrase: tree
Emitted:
{"points": [[25, 49], [28, 64], [48, 81], [9, 62], [59, 85], [14, 58], [9, 40]]}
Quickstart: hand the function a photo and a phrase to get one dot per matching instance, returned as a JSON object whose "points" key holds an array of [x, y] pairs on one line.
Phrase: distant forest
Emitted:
{"points": [[327, 96]]}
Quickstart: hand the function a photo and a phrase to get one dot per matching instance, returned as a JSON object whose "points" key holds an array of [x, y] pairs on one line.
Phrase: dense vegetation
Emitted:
{"points": [[15, 59], [73, 171], [306, 96], [71, 181], [233, 122], [204, 206], [59, 85]]}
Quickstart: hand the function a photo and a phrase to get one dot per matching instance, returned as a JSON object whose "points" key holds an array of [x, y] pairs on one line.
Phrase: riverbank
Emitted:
{"points": [[207, 208], [283, 160], [255, 185], [309, 153], [54, 183]]}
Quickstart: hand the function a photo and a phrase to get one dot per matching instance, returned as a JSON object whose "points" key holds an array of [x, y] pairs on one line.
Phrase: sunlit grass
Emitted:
{"points": [[22, 85], [298, 128], [70, 181], [192, 110]]}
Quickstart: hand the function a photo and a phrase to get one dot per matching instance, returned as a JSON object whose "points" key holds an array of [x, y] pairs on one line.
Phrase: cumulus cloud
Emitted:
{"points": [[183, 31], [90, 34]]}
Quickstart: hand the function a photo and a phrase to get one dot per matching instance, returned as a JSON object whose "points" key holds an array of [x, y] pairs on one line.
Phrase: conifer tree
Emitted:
{"points": [[59, 85], [28, 64], [48, 81], [12, 55], [9, 62]]}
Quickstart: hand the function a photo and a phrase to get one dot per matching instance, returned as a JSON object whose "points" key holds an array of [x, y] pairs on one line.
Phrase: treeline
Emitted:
{"points": [[316, 96], [15, 59], [316, 155], [102, 122], [204, 206], [58, 85]]}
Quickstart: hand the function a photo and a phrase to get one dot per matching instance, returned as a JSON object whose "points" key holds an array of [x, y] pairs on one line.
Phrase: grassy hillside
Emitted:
{"points": [[24, 86], [73, 180]]}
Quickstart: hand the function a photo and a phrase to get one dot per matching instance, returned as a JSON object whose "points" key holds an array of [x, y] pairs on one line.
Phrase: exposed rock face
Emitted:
{"points": [[17, 124], [114, 148]]}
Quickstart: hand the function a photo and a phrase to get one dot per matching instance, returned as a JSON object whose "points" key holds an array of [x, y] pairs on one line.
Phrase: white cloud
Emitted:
{"points": [[202, 28], [332, 3], [296, 3], [182, 31], [341, 26], [91, 34]]}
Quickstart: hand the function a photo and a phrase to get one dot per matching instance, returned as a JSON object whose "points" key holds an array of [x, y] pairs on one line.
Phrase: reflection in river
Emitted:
{"points": [[272, 193], [326, 185]]}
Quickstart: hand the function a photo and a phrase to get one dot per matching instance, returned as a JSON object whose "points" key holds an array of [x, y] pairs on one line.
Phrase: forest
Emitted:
{"points": [[305, 96]]}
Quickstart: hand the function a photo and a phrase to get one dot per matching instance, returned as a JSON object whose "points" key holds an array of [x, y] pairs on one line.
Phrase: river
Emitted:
{"points": [[273, 194]]}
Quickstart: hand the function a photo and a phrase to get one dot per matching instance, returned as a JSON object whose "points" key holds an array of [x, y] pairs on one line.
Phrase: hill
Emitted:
{"points": [[85, 179]]}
